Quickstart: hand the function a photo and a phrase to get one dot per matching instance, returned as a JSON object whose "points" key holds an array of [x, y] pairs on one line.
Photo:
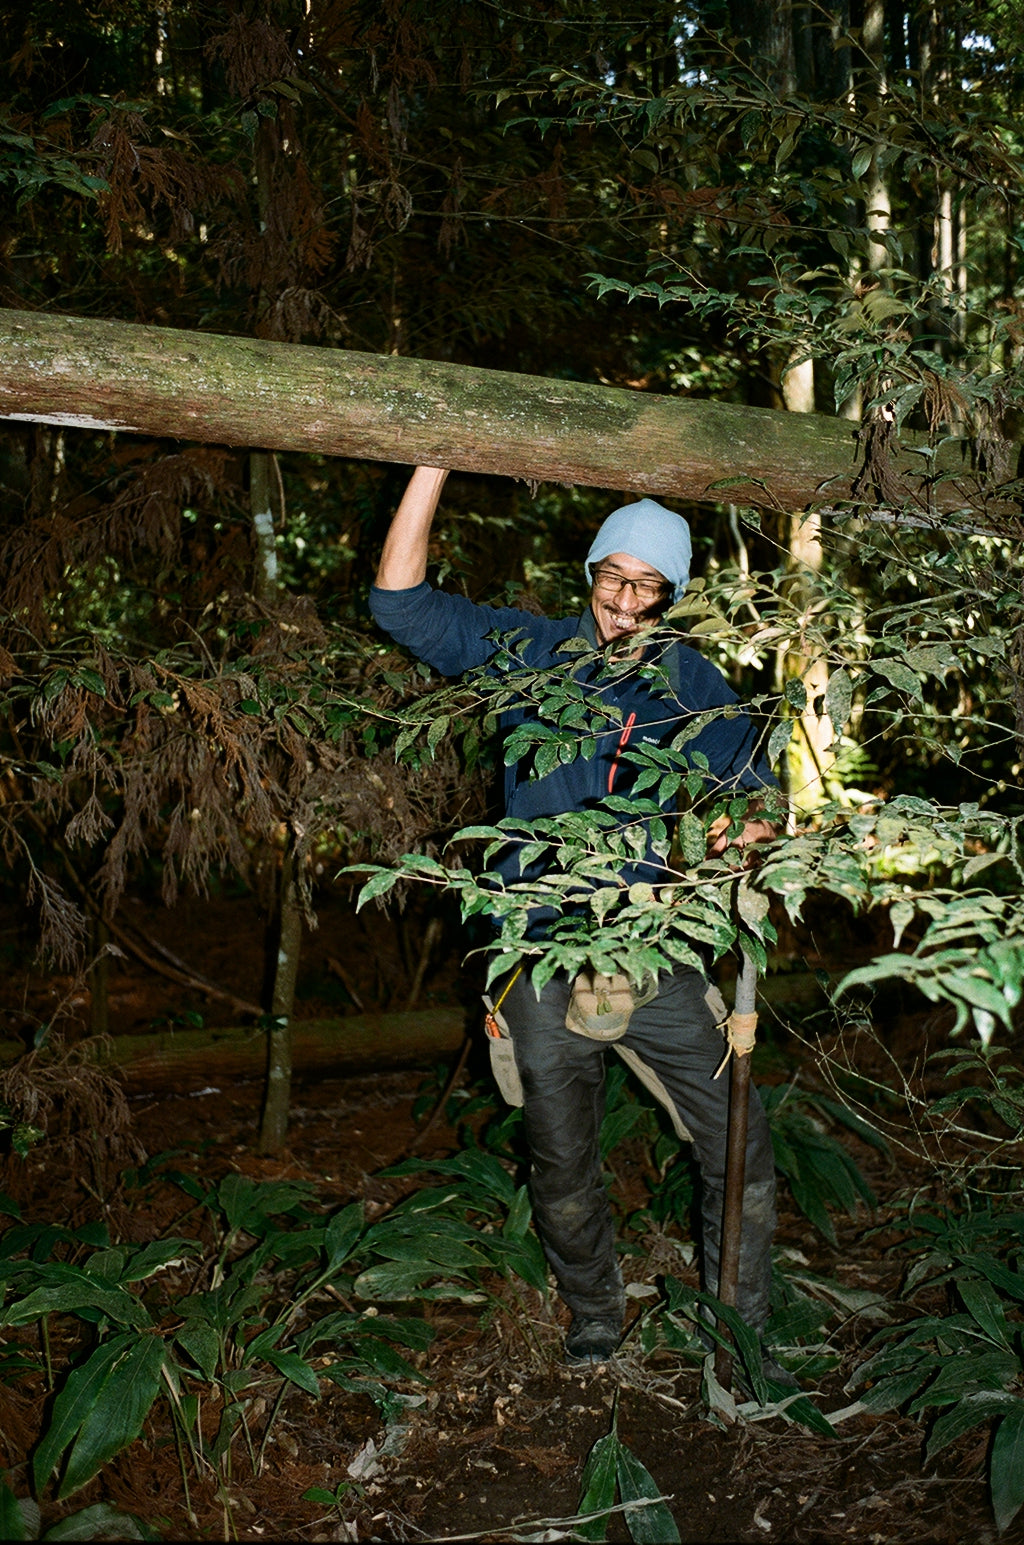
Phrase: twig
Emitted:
{"points": [[337, 969], [179, 972], [183, 972], [442, 1102]]}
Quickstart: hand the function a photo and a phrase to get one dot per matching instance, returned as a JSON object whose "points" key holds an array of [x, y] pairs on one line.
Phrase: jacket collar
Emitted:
{"points": [[588, 628]]}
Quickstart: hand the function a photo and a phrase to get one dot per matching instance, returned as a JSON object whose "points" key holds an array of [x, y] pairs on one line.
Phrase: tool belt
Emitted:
{"points": [[609, 1004]]}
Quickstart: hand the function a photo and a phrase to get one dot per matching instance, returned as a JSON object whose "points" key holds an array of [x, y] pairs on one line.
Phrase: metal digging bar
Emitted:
{"points": [[742, 1023]]}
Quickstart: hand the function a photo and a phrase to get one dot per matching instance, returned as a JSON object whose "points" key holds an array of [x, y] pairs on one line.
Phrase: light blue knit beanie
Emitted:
{"points": [[650, 533]]}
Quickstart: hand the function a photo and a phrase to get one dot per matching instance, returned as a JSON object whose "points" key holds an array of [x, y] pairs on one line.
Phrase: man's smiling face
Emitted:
{"points": [[627, 596]]}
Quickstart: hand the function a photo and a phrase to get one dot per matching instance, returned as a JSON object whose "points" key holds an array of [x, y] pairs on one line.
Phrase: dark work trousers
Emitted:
{"points": [[562, 1075]]}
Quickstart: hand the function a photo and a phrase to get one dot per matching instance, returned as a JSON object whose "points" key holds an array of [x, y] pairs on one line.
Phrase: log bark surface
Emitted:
{"points": [[187, 1060], [106, 375]]}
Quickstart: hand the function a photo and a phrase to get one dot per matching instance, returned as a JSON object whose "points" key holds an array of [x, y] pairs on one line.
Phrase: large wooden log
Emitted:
{"points": [[187, 1060], [106, 375], [333, 1048]]}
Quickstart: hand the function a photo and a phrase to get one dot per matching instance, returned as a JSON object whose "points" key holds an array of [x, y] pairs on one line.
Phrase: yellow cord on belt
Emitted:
{"points": [[490, 1022]]}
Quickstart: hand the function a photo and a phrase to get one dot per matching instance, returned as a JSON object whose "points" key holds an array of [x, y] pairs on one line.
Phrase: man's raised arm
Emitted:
{"points": [[403, 562]]}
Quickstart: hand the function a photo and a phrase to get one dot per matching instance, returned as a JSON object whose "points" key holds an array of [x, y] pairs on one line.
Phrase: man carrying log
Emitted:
{"points": [[637, 566]]}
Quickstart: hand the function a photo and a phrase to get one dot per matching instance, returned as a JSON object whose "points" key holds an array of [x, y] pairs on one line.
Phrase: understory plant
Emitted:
{"points": [[959, 1363], [208, 1335]]}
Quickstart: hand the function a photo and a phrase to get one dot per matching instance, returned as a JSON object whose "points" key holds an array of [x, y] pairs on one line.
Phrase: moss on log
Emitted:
{"points": [[108, 375]]}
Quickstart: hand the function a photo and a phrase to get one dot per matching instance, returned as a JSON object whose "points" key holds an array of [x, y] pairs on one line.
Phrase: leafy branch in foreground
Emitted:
{"points": [[971, 954]]}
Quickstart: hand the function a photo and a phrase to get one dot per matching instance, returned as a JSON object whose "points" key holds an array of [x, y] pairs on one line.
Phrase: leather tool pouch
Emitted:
{"points": [[600, 1007], [503, 1055]]}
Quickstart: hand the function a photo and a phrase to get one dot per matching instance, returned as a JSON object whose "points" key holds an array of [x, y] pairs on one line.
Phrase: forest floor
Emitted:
{"points": [[494, 1446]]}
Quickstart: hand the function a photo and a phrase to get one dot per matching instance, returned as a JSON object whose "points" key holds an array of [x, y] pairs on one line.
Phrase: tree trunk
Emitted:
{"points": [[261, 467], [92, 374], [277, 1095]]}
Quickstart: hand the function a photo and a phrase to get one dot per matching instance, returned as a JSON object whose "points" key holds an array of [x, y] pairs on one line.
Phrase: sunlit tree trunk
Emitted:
{"points": [[788, 40], [809, 755], [938, 44], [873, 94]]}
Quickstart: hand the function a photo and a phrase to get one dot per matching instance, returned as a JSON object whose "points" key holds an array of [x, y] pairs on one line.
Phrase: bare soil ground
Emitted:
{"points": [[496, 1450]]}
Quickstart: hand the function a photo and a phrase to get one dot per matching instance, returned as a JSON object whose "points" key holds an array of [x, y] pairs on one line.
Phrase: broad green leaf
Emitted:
{"points": [[12, 1519], [650, 1525], [438, 730], [378, 885], [341, 1234], [692, 838], [295, 1368], [519, 1214], [432, 1248], [981, 994], [804, 1411], [969, 1373], [155, 1256], [200, 1343], [1006, 1468], [398, 1280], [901, 915], [838, 698], [597, 1486], [70, 1297], [900, 675], [602, 900], [966, 1415], [101, 1409], [381, 1358], [91, 679], [108, 1264], [796, 694], [780, 737], [862, 159], [753, 906], [100, 1522], [1011, 1281], [982, 1301], [888, 1394]]}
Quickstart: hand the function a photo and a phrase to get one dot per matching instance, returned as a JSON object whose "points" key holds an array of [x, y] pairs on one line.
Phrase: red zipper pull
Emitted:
{"points": [[627, 730]]}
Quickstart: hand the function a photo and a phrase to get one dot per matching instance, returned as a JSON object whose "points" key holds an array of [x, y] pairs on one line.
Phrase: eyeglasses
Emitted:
{"points": [[644, 589]]}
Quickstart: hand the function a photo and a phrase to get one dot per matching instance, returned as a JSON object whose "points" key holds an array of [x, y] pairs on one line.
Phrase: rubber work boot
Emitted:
{"points": [[592, 1338]]}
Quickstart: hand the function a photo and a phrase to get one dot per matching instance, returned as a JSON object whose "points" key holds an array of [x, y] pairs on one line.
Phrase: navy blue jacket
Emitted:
{"points": [[451, 634]]}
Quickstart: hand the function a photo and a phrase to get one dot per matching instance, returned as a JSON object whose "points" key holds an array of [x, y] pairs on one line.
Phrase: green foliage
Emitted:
{"points": [[989, 1111], [611, 1469], [971, 955], [960, 1366], [19, 1520], [439, 1242], [185, 1321], [687, 1321], [821, 1173], [21, 1135]]}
